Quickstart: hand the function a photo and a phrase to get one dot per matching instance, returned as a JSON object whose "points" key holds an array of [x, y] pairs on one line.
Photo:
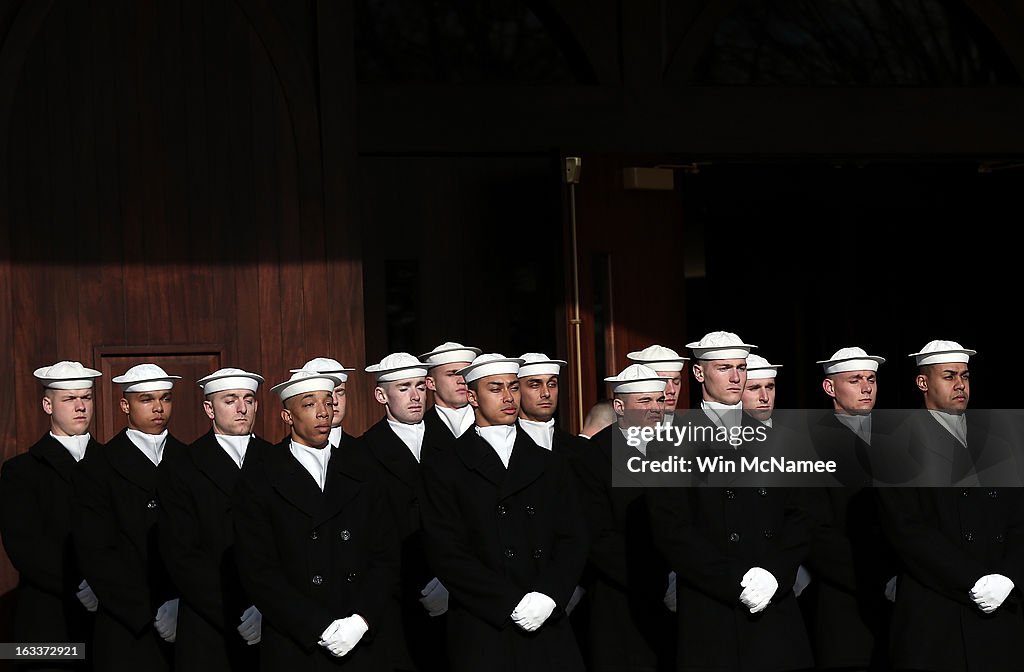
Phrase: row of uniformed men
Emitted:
{"points": [[490, 517]]}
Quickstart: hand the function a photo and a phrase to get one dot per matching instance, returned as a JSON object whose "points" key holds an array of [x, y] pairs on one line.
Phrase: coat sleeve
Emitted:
{"points": [[119, 584], [483, 591], [571, 544], [608, 543], [926, 552], [831, 555], [195, 573], [259, 565], [694, 557], [37, 555]]}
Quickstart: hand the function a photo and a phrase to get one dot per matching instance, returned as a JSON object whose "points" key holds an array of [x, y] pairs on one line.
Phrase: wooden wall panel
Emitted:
{"points": [[163, 173]]}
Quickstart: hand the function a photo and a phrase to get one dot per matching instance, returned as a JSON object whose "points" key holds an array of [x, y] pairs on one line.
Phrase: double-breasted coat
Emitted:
{"points": [[36, 500], [116, 537], [309, 557], [197, 542], [493, 535]]}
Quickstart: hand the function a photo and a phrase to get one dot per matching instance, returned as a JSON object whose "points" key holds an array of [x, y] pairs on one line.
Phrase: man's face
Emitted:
{"points": [[852, 392], [309, 415], [403, 399], [148, 412], [339, 405], [672, 386], [946, 387], [539, 397], [722, 379], [448, 386], [233, 411], [70, 411], [639, 409], [759, 398], [495, 399]]}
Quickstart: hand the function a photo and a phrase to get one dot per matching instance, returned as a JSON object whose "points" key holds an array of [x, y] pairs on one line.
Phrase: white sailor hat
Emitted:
{"points": [[145, 378], [758, 368], [66, 376], [850, 359], [943, 352], [538, 364], [658, 358], [230, 379], [637, 378], [491, 364], [720, 345], [303, 381], [326, 365], [449, 352], [397, 366]]}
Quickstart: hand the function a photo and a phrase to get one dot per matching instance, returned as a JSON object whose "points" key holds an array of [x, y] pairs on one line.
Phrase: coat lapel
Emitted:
{"points": [[392, 453], [478, 455], [215, 464], [524, 467], [292, 481], [341, 486], [129, 461], [50, 450]]}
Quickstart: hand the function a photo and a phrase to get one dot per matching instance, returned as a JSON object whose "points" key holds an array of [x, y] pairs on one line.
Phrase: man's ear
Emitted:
{"points": [[124, 406], [208, 407], [47, 405], [286, 415], [473, 401], [698, 372], [922, 382], [431, 385], [829, 388], [380, 395], [618, 407]]}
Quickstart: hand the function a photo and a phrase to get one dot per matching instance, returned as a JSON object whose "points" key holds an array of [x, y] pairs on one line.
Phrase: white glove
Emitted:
{"points": [[990, 591], [577, 595], [532, 611], [251, 628], [342, 635], [759, 587], [166, 621], [670, 593], [803, 579], [890, 589], [87, 597], [435, 597]]}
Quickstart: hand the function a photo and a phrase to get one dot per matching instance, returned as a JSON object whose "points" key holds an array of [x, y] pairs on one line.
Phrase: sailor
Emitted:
{"points": [[452, 415], [735, 550], [116, 529], [538, 387], [396, 444], [313, 541], [53, 601], [631, 592], [759, 392], [218, 625], [503, 529]]}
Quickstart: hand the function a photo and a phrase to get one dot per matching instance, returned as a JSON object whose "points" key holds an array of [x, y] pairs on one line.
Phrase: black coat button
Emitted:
{"points": [[538, 553], [994, 494], [762, 492], [530, 510], [730, 494], [351, 578], [734, 537], [314, 535], [968, 536], [318, 580], [965, 492], [151, 504], [510, 553], [999, 538], [345, 535], [768, 534], [502, 510]]}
